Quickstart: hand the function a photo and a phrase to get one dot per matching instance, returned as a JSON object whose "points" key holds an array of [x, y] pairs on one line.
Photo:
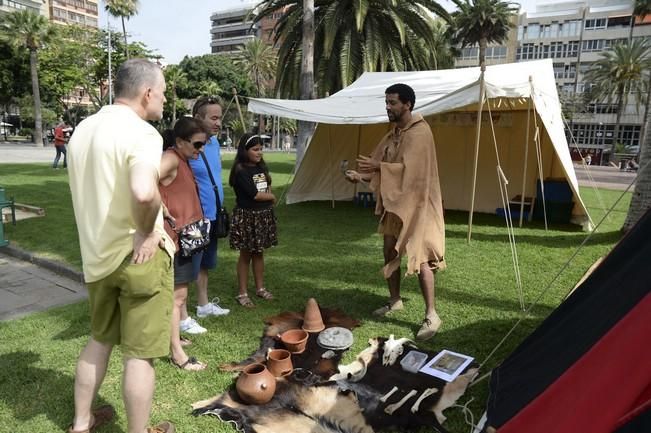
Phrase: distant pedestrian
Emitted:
{"points": [[254, 223], [60, 141], [588, 159], [126, 254]]}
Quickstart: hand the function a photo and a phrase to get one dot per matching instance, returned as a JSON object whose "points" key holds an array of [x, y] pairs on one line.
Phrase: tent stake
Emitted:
{"points": [[474, 171]]}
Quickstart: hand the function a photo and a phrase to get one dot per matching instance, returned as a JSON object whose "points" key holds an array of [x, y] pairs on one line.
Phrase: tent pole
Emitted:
{"points": [[239, 109], [474, 171], [526, 161], [359, 137], [332, 172]]}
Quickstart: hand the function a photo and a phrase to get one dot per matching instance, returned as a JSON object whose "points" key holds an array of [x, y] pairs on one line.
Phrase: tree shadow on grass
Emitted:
{"points": [[31, 391]]}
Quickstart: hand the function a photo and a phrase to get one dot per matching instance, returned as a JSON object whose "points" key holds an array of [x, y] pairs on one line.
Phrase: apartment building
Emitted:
{"points": [[232, 28], [573, 34], [80, 12], [37, 6]]}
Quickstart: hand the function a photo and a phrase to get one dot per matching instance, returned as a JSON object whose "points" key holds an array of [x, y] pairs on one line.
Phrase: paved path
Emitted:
{"points": [[27, 287], [17, 153], [604, 177]]}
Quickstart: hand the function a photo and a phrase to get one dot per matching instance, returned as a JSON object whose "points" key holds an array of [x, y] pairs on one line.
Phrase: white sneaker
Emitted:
{"points": [[191, 326], [212, 309]]}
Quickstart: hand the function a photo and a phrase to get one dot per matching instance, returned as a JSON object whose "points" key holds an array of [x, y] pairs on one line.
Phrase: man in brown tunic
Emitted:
{"points": [[403, 173]]}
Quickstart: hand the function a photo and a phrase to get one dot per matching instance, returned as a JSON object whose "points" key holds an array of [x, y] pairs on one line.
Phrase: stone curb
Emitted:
{"points": [[52, 265]]}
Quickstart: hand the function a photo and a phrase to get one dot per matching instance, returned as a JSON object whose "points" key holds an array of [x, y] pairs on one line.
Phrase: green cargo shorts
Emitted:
{"points": [[132, 307]]}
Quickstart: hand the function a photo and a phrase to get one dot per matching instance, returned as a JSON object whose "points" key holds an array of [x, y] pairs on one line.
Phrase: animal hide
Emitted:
{"points": [[307, 402]]}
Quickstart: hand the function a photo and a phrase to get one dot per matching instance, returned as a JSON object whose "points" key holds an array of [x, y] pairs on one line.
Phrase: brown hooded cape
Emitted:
{"points": [[408, 186]]}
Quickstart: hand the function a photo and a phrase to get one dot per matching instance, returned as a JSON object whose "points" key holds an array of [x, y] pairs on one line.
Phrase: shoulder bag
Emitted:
{"points": [[222, 223]]}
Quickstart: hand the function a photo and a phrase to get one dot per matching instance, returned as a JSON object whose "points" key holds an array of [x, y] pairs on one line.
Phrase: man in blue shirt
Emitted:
{"points": [[209, 111]]}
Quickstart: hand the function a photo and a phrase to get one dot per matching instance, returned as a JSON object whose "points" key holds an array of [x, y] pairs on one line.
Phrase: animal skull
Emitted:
{"points": [[393, 349]]}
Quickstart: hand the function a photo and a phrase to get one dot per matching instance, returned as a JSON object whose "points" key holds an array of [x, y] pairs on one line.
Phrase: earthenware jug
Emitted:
{"points": [[256, 385], [279, 362]]}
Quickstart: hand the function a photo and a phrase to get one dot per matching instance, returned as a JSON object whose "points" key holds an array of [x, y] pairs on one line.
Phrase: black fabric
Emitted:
{"points": [[640, 424], [250, 180], [612, 290]]}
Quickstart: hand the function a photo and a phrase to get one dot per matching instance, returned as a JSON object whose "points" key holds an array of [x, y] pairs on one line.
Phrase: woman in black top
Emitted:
{"points": [[253, 228]]}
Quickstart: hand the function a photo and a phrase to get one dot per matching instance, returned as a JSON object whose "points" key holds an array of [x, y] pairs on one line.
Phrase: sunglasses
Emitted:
{"points": [[198, 144], [201, 102]]}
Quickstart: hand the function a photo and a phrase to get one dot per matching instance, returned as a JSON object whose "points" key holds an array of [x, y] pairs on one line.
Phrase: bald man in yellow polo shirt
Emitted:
{"points": [[114, 158]]}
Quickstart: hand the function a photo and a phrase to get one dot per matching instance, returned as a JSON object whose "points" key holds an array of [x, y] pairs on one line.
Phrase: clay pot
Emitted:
{"points": [[279, 362], [256, 385], [312, 320], [295, 340]]}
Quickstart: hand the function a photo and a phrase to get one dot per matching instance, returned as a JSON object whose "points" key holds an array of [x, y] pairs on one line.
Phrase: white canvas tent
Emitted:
{"points": [[524, 109]]}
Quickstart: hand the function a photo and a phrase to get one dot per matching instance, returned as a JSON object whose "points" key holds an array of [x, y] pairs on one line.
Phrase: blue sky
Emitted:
{"points": [[176, 28]]}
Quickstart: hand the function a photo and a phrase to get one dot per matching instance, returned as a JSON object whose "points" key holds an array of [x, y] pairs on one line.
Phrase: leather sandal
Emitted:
{"points": [[101, 416], [245, 301], [264, 294], [191, 361]]}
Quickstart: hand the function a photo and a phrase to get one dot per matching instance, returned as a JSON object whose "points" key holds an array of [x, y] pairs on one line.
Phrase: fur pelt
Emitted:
{"points": [[306, 402]]}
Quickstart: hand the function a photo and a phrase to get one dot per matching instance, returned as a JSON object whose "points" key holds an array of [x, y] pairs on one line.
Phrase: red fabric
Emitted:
{"points": [[602, 387]]}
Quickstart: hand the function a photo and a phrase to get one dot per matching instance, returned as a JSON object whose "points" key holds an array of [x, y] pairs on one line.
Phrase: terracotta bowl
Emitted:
{"points": [[295, 340]]}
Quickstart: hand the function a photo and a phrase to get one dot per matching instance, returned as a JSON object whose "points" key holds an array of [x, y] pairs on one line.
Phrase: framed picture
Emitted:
{"points": [[447, 365]]}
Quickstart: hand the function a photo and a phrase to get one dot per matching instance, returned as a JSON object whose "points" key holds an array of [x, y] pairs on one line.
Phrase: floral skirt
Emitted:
{"points": [[253, 229]]}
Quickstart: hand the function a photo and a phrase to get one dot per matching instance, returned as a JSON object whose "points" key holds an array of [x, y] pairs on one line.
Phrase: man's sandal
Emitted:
{"points": [[101, 416], [185, 341], [190, 365], [264, 294], [245, 301]]}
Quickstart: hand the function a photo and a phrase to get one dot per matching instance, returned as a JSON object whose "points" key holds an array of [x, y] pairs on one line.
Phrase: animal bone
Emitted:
{"points": [[356, 370], [393, 349], [451, 393], [394, 407], [386, 396], [353, 372], [423, 396]]}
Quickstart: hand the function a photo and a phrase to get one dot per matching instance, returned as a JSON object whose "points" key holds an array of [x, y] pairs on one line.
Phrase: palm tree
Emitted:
{"points": [[352, 37], [210, 89], [618, 72], [481, 22], [174, 76], [122, 9], [306, 129], [25, 29], [641, 8], [258, 60]]}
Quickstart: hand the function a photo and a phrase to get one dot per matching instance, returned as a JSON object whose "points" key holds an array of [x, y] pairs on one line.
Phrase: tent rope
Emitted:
{"points": [[593, 183], [468, 416], [551, 283], [504, 194]]}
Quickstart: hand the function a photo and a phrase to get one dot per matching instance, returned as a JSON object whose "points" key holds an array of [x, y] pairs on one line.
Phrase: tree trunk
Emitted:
{"points": [[38, 118], [173, 106], [126, 44], [482, 54], [305, 129], [620, 110], [641, 199]]}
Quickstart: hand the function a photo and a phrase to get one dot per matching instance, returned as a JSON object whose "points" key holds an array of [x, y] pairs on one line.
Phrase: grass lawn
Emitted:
{"points": [[331, 254]]}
